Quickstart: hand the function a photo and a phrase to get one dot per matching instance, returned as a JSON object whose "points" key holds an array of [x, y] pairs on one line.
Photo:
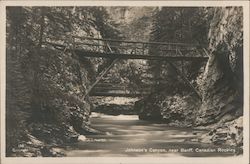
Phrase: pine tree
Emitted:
{"points": [[37, 88], [177, 25]]}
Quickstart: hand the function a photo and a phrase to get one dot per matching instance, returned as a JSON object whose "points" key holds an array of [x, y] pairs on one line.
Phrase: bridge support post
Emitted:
{"points": [[104, 72], [185, 79]]}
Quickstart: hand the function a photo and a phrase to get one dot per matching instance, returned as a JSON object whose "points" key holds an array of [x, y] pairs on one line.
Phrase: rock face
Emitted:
{"points": [[175, 110], [62, 100], [223, 78], [45, 88], [135, 22], [221, 85], [230, 133]]}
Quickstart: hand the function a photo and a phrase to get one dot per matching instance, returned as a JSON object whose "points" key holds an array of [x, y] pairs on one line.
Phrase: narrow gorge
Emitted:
{"points": [[124, 81]]}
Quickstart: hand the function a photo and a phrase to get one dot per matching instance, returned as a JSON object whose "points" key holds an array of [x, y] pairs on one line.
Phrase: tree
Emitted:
{"points": [[181, 25], [43, 84]]}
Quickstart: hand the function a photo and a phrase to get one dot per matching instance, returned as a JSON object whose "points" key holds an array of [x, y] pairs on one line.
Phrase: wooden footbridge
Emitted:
{"points": [[121, 90], [122, 49]]}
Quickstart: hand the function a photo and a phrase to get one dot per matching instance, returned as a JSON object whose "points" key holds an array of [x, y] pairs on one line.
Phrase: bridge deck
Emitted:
{"points": [[136, 56], [110, 48], [118, 91], [107, 94]]}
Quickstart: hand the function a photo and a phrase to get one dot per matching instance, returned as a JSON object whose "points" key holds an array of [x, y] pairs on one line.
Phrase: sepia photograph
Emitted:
{"points": [[145, 81]]}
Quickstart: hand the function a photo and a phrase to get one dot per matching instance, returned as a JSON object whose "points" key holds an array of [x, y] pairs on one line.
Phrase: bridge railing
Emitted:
{"points": [[137, 48], [114, 46]]}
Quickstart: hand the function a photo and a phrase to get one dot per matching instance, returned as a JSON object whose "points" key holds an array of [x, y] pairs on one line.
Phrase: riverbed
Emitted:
{"points": [[127, 136]]}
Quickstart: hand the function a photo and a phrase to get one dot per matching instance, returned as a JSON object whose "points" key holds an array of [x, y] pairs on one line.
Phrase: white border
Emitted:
{"points": [[122, 160]]}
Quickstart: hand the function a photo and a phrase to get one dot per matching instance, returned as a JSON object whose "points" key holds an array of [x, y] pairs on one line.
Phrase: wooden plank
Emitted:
{"points": [[132, 56], [101, 74], [106, 94], [186, 80], [135, 56], [128, 47], [139, 42], [206, 52], [100, 77], [117, 88]]}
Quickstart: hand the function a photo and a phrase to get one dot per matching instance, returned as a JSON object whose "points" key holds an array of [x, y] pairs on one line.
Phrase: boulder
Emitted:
{"points": [[229, 133]]}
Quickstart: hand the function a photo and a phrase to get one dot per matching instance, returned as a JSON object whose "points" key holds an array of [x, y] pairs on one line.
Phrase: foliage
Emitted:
{"points": [[45, 85], [181, 25], [173, 101], [173, 109], [134, 23]]}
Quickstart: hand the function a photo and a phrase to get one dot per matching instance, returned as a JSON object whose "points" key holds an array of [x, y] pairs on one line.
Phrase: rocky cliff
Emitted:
{"points": [[173, 100], [46, 104], [222, 101], [63, 113], [220, 85], [135, 23], [223, 78]]}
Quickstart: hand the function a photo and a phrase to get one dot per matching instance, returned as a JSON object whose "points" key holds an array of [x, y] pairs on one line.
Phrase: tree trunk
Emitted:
{"points": [[36, 98]]}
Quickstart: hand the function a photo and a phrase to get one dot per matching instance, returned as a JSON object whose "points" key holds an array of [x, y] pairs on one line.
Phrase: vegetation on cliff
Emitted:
{"points": [[47, 102], [46, 87], [219, 84], [173, 98], [222, 85]]}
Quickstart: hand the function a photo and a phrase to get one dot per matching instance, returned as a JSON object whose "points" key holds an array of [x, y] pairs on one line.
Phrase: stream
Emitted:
{"points": [[127, 136]]}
